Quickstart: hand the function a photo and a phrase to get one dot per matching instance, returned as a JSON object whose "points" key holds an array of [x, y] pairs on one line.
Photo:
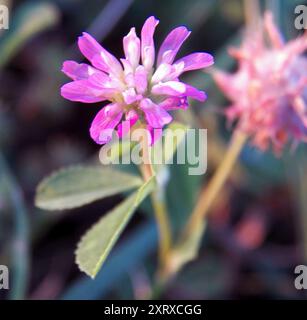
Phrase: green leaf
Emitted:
{"points": [[97, 243], [187, 249], [79, 185], [139, 244]]}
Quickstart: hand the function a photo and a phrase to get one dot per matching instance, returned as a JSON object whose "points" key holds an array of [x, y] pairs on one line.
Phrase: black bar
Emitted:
{"points": [[213, 309]]}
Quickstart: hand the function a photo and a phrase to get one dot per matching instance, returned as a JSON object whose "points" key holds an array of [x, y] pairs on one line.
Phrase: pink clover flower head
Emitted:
{"points": [[140, 87], [269, 90]]}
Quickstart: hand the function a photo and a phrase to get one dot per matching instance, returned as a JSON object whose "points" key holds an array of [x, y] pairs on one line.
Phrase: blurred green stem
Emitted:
{"points": [[210, 192], [252, 14], [20, 254], [195, 225]]}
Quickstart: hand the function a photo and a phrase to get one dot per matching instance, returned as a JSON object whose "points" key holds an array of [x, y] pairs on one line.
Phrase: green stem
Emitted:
{"points": [[210, 192], [163, 226], [160, 210]]}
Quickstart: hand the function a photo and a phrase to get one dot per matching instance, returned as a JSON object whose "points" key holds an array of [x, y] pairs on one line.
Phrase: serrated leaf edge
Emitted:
{"points": [[138, 199]]}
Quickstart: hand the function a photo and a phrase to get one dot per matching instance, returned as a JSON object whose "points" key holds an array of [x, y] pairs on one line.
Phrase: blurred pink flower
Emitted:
{"points": [[269, 90], [137, 91]]}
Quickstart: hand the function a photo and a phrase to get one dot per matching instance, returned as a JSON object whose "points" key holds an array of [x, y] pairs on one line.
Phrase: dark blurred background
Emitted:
{"points": [[257, 232]]}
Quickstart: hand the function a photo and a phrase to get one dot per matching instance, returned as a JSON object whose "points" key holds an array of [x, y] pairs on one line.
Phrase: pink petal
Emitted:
{"points": [[155, 115], [97, 55], [172, 88], [78, 71], [178, 89], [147, 43], [166, 72], [132, 48], [194, 61], [130, 96], [90, 48], [162, 72], [125, 126], [127, 66], [296, 46], [84, 91], [132, 116], [128, 71], [154, 134], [172, 44], [174, 103], [104, 123], [194, 93], [100, 79], [232, 85], [103, 82], [274, 34], [140, 79]]}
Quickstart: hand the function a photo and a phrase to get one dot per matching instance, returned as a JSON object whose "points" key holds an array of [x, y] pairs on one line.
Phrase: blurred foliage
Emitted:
{"points": [[27, 21]]}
